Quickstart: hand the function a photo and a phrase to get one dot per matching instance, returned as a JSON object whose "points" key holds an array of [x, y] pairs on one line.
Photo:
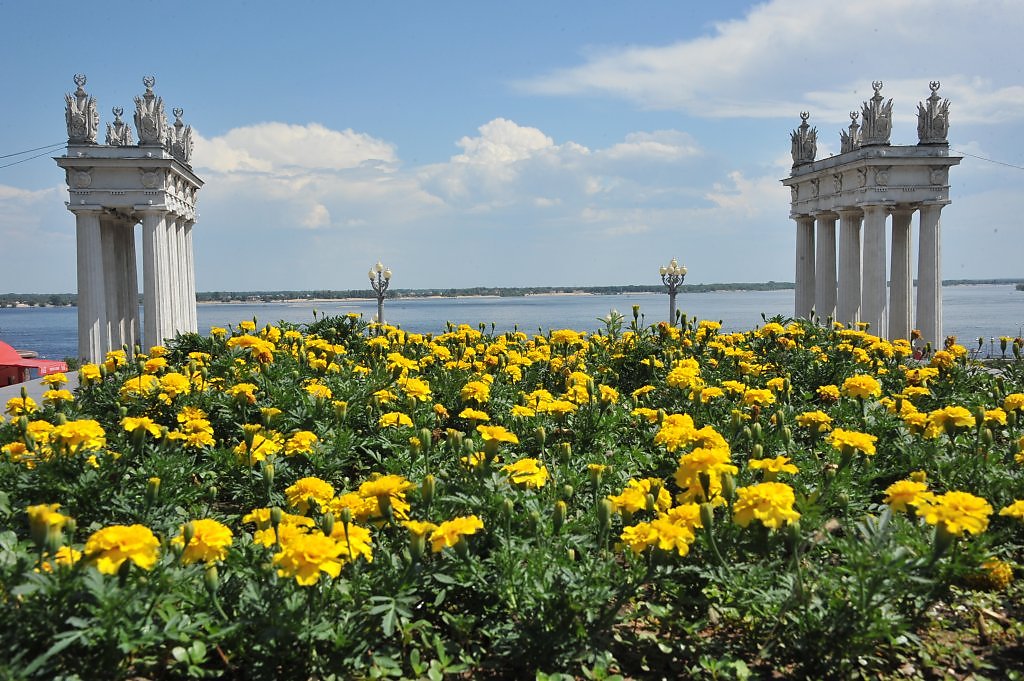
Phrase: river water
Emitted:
{"points": [[969, 312]]}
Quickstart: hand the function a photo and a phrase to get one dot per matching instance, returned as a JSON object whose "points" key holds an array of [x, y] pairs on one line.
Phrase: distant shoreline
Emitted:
{"points": [[28, 300]]}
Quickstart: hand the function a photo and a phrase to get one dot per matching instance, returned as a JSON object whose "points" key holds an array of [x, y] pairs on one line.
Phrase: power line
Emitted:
{"points": [[29, 151], [990, 160], [45, 153]]}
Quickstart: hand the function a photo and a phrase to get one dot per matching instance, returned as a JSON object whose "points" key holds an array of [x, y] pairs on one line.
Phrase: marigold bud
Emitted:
{"points": [[728, 487], [755, 432], [604, 514], [507, 507], [567, 491], [152, 489], [757, 452], [707, 515], [427, 488], [211, 579], [558, 516], [426, 437], [346, 516]]}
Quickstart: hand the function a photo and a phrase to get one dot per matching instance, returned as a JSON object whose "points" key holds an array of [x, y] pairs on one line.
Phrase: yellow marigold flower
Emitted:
{"points": [[734, 387], [607, 394], [415, 388], [261, 517], [394, 419], [83, 434], [55, 379], [522, 412], [646, 413], [474, 414], [993, 574], [474, 460], [557, 407], [862, 386], [243, 392], [440, 411], [301, 442], [1014, 402], [260, 350], [262, 447], [758, 397], [779, 464], [385, 486], [828, 393], [475, 391], [89, 373], [154, 365], [218, 332], [683, 374], [420, 528], [384, 396], [905, 493], [948, 419], [995, 417], [497, 433], [44, 518], [942, 359], [660, 532], [134, 423], [309, 489], [710, 393], [355, 541], [318, 390], [529, 473], [305, 555], [196, 434], [21, 406], [712, 462], [210, 542], [862, 442], [65, 556], [450, 532], [565, 337], [641, 391], [109, 547], [634, 496], [769, 502], [55, 397], [1014, 510], [817, 421], [677, 431], [958, 512]]}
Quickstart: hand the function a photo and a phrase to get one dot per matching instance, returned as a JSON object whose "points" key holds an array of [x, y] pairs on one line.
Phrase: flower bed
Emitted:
{"points": [[334, 500]]}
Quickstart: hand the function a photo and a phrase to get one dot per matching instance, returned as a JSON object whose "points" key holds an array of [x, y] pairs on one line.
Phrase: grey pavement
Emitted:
{"points": [[35, 389]]}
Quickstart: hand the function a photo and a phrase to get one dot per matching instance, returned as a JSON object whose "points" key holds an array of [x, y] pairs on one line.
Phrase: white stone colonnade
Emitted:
{"points": [[872, 189], [112, 187]]}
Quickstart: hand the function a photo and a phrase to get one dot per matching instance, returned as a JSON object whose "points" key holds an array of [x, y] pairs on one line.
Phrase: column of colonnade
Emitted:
{"points": [[108, 293], [860, 292], [169, 286]]}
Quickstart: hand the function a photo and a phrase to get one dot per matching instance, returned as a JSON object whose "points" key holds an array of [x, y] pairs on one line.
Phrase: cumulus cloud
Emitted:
{"points": [[768, 62], [270, 147]]}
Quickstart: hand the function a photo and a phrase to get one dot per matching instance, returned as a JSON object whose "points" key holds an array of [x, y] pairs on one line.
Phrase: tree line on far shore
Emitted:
{"points": [[70, 299]]}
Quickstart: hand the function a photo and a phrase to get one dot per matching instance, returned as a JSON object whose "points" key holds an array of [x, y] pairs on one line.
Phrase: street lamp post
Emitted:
{"points": [[380, 279], [672, 276]]}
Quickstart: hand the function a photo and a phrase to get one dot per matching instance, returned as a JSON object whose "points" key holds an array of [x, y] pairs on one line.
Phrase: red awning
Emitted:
{"points": [[9, 357]]}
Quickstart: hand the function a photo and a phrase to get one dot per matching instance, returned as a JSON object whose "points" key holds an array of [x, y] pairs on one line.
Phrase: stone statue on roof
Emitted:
{"points": [[877, 118], [933, 119], [181, 138], [119, 133], [82, 119], [850, 140], [805, 141], [150, 119]]}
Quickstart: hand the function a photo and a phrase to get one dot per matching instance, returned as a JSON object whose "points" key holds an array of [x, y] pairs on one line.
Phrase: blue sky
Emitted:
{"points": [[502, 144]]}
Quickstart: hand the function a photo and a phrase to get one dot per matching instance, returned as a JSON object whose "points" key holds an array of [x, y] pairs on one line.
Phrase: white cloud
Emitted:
{"points": [[781, 57], [502, 141], [278, 147]]}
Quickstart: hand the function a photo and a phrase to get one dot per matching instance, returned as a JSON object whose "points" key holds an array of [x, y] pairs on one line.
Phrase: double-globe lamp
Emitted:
{"points": [[672, 276], [380, 279]]}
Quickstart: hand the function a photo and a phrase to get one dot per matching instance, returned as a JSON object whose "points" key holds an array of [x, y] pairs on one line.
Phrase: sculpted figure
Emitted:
{"points": [[804, 141], [181, 138], [119, 133], [150, 119], [850, 140], [82, 119], [877, 118], [933, 119]]}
